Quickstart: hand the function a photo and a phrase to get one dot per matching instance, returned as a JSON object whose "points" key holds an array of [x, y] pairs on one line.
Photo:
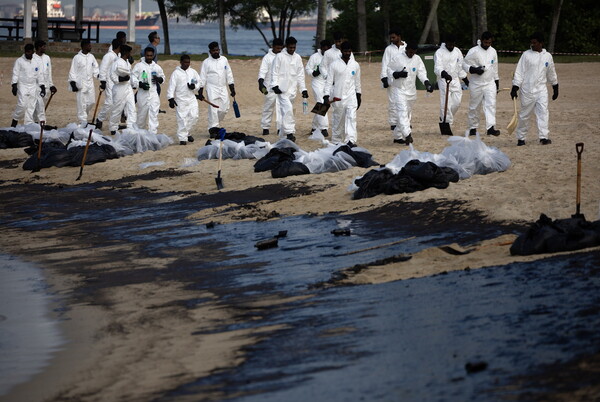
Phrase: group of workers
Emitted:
{"points": [[335, 81]]}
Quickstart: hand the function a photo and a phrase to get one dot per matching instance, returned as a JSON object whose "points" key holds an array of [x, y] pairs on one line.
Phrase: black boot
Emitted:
{"points": [[473, 131], [14, 123], [325, 133], [213, 132], [493, 131], [190, 138], [98, 124], [291, 137], [265, 131]]}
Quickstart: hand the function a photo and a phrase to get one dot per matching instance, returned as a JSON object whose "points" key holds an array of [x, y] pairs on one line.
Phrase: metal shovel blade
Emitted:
{"points": [[219, 181], [445, 129]]}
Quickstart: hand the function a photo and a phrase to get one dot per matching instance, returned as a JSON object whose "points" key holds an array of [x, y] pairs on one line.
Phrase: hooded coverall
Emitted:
{"points": [[122, 94], [270, 103], [187, 104], [533, 72], [105, 69], [389, 53], [288, 75], [27, 75], [482, 88], [317, 84], [46, 80], [215, 77], [148, 101], [84, 68], [343, 82], [450, 62], [404, 90]]}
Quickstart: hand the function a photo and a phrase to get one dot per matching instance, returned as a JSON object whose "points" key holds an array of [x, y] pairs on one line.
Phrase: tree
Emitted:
{"points": [[222, 36], [361, 22], [321, 22], [555, 16], [430, 17], [164, 18], [42, 20], [481, 17]]}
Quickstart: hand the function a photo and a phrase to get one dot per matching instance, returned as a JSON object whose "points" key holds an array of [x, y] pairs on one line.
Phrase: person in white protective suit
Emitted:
{"points": [[343, 87], [122, 91], [106, 83], [534, 70], [264, 74], [46, 80], [482, 63], [149, 75], [27, 85], [394, 48], [447, 61], [287, 76], [84, 68], [216, 76], [319, 123], [180, 94], [403, 71]]}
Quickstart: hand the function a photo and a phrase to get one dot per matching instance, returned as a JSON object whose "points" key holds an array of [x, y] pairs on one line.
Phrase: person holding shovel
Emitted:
{"points": [[180, 94], [319, 123], [264, 74], [448, 61], [394, 48], [403, 71], [482, 63], [106, 83], [122, 91], [534, 70], [343, 85], [287, 76], [46, 77], [149, 76], [216, 76], [84, 68]]}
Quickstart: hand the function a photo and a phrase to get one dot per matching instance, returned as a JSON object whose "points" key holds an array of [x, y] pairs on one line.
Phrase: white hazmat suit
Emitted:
{"points": [[343, 82], [122, 94], [270, 103], [105, 68], [534, 71], [187, 104], [84, 68], [215, 77], [27, 75], [288, 75], [389, 53], [482, 88], [46, 80], [450, 62], [404, 90], [148, 101], [317, 84]]}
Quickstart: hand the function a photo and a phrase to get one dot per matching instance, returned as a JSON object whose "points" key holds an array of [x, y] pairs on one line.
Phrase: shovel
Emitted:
{"points": [[445, 127], [39, 153], [515, 119], [87, 145], [579, 149], [95, 110], [49, 100], [218, 179]]}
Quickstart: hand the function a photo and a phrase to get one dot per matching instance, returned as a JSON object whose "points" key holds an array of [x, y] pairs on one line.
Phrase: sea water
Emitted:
{"points": [[28, 335]]}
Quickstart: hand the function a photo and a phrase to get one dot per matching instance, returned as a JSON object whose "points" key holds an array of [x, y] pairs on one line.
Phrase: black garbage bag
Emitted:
{"points": [[274, 158], [250, 139], [363, 159], [14, 139], [289, 168], [548, 236], [374, 182], [403, 182], [54, 153], [95, 154], [430, 174]]}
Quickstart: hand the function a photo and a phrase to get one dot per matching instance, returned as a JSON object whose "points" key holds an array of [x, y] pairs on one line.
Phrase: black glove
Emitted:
{"points": [[191, 86], [103, 85], [400, 74], [232, 90], [42, 90], [326, 99], [428, 86], [316, 72], [277, 90], [513, 92], [466, 81], [476, 70], [172, 103], [358, 100], [53, 89], [123, 79], [385, 83], [305, 94], [14, 89], [446, 76], [130, 60], [157, 80], [497, 82], [261, 86], [74, 86], [200, 96], [554, 92], [145, 86]]}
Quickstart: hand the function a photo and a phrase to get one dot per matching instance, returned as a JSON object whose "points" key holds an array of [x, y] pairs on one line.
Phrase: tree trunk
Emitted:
{"points": [[321, 23], [361, 23], [434, 32], [385, 10], [481, 17], [164, 18], [555, 18], [222, 37], [432, 12], [289, 22], [42, 21], [473, 22]]}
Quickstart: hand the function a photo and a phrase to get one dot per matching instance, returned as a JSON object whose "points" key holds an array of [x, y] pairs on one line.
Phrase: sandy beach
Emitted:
{"points": [[119, 332]]}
